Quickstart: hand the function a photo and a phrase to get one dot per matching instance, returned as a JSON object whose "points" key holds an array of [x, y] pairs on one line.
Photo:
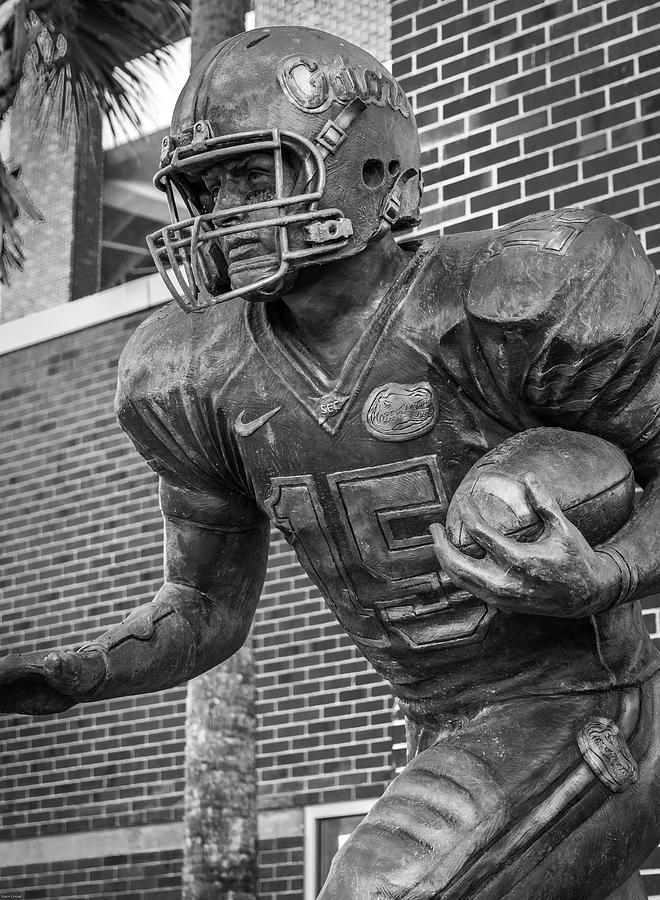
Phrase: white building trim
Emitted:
{"points": [[92, 844], [143, 293]]}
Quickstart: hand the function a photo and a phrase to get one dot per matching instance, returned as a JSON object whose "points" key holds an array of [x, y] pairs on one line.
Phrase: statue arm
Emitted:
{"points": [[635, 549], [199, 617]]}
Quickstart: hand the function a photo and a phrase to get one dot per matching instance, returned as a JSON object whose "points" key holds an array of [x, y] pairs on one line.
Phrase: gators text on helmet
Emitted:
{"points": [[331, 108]]}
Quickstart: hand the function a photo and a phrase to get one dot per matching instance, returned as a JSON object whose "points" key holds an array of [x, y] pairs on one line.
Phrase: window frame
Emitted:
{"points": [[312, 816]]}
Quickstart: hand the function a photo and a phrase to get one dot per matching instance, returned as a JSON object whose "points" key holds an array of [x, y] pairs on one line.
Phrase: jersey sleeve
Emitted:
{"points": [[566, 309], [182, 436]]}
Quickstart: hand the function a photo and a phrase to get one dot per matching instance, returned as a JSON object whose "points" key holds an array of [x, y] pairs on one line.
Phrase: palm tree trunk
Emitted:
{"points": [[220, 843], [213, 21]]}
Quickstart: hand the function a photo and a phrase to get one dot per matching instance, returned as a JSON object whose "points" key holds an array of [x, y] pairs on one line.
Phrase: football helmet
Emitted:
{"points": [[328, 108]]}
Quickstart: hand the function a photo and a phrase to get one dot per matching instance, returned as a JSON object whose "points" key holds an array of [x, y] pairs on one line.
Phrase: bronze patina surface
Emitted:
{"points": [[317, 376]]}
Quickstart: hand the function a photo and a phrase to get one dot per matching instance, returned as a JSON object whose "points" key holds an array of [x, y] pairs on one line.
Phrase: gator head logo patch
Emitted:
{"points": [[400, 412]]}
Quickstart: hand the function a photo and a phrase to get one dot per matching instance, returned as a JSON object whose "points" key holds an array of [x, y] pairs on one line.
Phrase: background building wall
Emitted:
{"points": [[525, 106], [63, 175], [522, 106]]}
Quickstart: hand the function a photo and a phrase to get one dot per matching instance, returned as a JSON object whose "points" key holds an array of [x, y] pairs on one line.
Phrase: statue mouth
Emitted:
{"points": [[241, 251]]}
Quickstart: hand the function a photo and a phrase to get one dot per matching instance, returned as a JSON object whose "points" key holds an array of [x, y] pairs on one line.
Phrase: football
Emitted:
{"points": [[591, 480]]}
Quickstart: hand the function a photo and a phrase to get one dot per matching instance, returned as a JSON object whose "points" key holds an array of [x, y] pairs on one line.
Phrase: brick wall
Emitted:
{"points": [[525, 106], [324, 714], [365, 24], [152, 876], [81, 542]]}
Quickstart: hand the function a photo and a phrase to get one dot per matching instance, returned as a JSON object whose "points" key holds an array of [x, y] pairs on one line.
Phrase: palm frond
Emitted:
{"points": [[79, 53], [13, 199], [91, 44]]}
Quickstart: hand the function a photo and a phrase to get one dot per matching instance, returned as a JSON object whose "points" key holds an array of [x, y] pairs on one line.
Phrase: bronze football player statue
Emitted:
{"points": [[316, 376]]}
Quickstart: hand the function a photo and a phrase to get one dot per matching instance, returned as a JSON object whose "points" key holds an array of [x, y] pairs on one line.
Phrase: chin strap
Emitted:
{"points": [[392, 204]]}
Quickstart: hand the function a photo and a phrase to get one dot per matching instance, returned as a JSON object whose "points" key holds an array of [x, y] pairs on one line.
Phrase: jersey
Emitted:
{"points": [[552, 320]]}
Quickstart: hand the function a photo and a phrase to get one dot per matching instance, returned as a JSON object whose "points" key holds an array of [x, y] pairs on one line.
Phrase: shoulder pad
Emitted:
{"points": [[171, 344], [523, 266]]}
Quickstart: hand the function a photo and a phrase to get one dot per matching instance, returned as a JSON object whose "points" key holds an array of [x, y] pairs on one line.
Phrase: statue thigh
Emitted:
{"points": [[506, 806]]}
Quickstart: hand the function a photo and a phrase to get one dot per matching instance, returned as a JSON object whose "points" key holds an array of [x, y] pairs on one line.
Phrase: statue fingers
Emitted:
{"points": [[504, 550]]}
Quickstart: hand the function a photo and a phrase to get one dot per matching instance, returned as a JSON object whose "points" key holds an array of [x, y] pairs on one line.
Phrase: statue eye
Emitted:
{"points": [[259, 176]]}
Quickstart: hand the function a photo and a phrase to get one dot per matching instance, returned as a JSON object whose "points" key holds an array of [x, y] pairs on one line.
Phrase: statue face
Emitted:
{"points": [[239, 182]]}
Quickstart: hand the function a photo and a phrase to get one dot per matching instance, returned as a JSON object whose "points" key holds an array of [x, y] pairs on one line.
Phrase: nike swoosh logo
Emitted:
{"points": [[244, 429]]}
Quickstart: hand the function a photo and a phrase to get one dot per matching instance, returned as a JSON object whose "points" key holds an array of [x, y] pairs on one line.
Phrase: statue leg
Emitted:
{"points": [[633, 889], [507, 807]]}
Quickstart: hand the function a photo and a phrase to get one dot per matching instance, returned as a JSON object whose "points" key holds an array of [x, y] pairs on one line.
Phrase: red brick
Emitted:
{"points": [[509, 8], [580, 149], [608, 118], [550, 180], [496, 198], [631, 88], [418, 80], [609, 162], [520, 85], [445, 10], [549, 96], [401, 28], [647, 40], [522, 167], [625, 8], [521, 126], [581, 193], [551, 137], [442, 92], [573, 24], [607, 75], [493, 32], [466, 186], [520, 210], [465, 63], [410, 45], [467, 144], [520, 43], [543, 54], [495, 113], [445, 173], [651, 149], [495, 154], [581, 62], [493, 75], [466, 103], [635, 176], [546, 12], [463, 25], [579, 107], [649, 18]]}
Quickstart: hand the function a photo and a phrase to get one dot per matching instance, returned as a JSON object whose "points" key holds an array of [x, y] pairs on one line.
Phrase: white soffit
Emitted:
{"points": [[143, 293]]}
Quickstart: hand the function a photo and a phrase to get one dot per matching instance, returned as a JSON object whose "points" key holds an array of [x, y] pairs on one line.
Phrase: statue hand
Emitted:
{"points": [[48, 682], [559, 574]]}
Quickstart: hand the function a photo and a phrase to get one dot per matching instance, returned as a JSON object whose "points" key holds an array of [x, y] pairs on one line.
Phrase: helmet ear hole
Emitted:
{"points": [[373, 173], [394, 167]]}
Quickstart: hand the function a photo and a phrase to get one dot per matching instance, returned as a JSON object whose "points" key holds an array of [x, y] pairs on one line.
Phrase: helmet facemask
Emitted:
{"points": [[188, 252]]}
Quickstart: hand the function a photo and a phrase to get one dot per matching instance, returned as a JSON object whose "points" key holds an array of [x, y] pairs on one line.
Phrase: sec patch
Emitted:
{"points": [[400, 412]]}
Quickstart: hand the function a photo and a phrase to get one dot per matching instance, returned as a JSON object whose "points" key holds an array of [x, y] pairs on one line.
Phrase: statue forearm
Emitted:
{"points": [[163, 643], [636, 547]]}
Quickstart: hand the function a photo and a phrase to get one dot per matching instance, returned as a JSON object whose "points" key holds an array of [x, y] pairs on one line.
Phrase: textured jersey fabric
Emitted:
{"points": [[552, 320]]}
